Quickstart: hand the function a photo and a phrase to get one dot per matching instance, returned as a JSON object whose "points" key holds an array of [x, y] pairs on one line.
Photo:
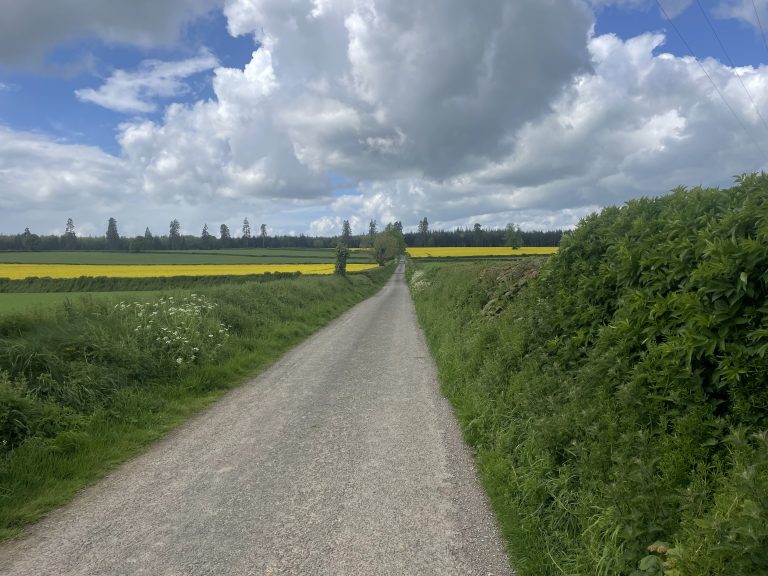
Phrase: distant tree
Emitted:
{"points": [[346, 233], [342, 254], [263, 235], [174, 235], [395, 229], [389, 244], [69, 239], [477, 234], [246, 237], [423, 231], [113, 237], [30, 241], [385, 247], [513, 236], [205, 236], [147, 234], [224, 235], [139, 243], [372, 228]]}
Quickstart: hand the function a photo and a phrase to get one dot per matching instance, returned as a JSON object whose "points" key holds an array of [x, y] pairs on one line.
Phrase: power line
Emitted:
{"points": [[731, 62], [722, 97], [760, 24]]}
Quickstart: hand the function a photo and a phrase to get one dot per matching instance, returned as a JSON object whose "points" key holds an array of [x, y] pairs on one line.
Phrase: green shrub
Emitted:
{"points": [[620, 397]]}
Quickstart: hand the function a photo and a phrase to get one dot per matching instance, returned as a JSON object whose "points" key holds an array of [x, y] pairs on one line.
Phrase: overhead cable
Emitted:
{"points": [[733, 65], [760, 24], [714, 85]]}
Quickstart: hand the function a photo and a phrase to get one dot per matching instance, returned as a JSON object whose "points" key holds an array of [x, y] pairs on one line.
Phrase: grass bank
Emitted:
{"points": [[88, 384], [616, 393]]}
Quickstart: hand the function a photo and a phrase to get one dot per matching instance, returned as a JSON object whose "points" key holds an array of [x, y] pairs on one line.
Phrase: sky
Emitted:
{"points": [[301, 114]]}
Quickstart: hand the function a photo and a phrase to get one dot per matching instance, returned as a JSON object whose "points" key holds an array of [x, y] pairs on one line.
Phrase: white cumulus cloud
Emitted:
{"points": [[137, 92]]}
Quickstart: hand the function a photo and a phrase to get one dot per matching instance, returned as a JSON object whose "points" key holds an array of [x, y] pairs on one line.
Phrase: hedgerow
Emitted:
{"points": [[618, 397]]}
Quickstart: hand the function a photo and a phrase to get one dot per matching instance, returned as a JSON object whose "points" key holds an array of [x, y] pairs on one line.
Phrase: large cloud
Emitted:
{"points": [[367, 90], [325, 93], [431, 89], [641, 124]]}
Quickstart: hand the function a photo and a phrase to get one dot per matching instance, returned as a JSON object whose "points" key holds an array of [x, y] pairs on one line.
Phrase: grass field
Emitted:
{"points": [[479, 251], [21, 271], [230, 256], [23, 302]]}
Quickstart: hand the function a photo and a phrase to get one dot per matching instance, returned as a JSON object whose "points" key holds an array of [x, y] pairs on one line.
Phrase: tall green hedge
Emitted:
{"points": [[620, 403]]}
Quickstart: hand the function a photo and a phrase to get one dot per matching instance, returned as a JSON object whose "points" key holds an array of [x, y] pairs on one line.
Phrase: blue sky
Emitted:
{"points": [[84, 63], [307, 113], [744, 43]]}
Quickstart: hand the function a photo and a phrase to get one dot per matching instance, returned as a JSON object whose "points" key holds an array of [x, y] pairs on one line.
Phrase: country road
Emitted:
{"points": [[342, 458]]}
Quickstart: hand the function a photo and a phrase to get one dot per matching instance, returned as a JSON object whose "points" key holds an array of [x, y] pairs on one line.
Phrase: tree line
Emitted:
{"points": [[477, 235], [223, 237]]}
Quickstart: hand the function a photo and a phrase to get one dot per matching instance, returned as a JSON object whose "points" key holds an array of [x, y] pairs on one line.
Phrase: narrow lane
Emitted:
{"points": [[342, 458]]}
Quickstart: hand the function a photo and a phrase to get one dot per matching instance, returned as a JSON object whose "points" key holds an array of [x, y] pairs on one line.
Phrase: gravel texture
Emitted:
{"points": [[342, 458]]}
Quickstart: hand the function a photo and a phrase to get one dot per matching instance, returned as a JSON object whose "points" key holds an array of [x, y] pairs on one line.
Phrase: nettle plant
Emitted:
{"points": [[179, 332]]}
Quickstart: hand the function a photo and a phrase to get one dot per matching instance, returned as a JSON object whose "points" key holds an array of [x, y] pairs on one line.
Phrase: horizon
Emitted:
{"points": [[237, 233]]}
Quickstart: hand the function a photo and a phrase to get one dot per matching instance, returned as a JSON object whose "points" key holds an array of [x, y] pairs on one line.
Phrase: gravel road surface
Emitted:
{"points": [[342, 458]]}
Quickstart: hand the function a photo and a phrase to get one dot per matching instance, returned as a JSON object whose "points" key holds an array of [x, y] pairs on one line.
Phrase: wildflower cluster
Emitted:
{"points": [[181, 332], [418, 282]]}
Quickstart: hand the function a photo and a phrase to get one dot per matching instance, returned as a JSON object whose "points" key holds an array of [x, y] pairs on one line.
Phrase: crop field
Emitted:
{"points": [[22, 271], [480, 251], [228, 256]]}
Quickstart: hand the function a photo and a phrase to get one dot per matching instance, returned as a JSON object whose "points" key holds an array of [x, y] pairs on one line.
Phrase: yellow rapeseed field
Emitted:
{"points": [[21, 271], [479, 251]]}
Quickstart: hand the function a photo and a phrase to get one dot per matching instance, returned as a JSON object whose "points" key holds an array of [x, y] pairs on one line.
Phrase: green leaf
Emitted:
{"points": [[650, 564]]}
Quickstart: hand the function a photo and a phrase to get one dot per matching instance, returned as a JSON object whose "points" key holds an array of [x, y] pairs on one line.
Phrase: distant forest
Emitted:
{"points": [[222, 238]]}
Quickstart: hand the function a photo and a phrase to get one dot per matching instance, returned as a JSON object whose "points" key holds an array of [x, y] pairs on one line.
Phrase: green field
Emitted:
{"points": [[230, 256], [24, 302]]}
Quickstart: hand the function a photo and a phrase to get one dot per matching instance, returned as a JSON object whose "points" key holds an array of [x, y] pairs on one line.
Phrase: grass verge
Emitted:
{"points": [[88, 384]]}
